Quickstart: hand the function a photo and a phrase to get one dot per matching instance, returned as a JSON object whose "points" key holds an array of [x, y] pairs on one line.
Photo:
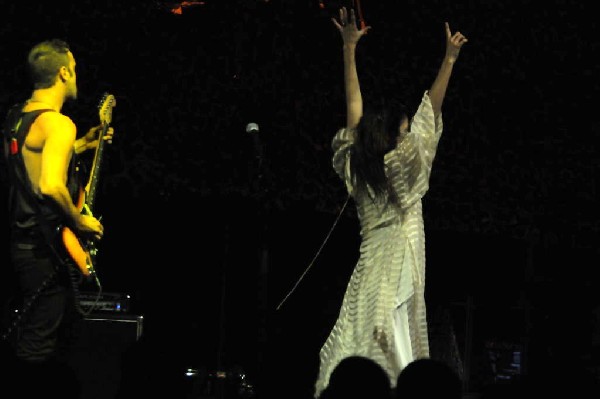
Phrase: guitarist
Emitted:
{"points": [[41, 149]]}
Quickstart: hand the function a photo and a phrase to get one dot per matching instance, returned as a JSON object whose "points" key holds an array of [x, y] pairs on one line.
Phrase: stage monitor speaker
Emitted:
{"points": [[97, 354]]}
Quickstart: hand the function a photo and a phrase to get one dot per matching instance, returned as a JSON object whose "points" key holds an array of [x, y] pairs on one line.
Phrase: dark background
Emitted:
{"points": [[208, 240]]}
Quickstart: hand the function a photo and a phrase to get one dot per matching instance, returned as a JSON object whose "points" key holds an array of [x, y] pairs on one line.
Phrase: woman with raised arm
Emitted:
{"points": [[384, 157]]}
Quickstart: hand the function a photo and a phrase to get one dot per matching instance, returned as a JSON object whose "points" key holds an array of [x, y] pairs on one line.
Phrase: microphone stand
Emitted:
{"points": [[259, 194], [220, 376]]}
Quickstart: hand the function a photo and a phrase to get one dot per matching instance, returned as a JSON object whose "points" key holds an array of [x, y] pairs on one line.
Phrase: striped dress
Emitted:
{"points": [[383, 314]]}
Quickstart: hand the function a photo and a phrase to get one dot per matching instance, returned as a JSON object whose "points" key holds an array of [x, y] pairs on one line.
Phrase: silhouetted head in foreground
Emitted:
{"points": [[428, 378], [358, 377]]}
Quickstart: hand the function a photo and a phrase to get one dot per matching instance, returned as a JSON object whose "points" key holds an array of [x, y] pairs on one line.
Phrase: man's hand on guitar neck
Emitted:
{"points": [[90, 140]]}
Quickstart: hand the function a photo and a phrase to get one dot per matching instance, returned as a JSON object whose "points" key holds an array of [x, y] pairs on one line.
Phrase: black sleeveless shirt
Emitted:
{"points": [[25, 207]]}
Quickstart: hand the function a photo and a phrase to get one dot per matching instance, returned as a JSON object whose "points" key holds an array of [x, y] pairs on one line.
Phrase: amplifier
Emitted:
{"points": [[97, 354], [104, 302]]}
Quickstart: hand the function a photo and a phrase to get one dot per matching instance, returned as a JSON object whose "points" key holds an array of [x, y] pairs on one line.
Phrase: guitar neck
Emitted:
{"points": [[92, 185], [106, 105]]}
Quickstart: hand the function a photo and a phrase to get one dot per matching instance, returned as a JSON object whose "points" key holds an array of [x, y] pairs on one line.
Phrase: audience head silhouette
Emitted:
{"points": [[428, 378], [357, 377]]}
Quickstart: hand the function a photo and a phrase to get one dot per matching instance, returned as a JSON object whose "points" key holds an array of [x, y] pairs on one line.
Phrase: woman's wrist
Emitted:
{"points": [[349, 46]]}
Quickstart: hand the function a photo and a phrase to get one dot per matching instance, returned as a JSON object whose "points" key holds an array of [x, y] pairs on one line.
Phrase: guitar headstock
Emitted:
{"points": [[105, 108]]}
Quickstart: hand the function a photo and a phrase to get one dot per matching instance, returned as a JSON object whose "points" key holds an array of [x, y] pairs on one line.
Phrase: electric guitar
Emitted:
{"points": [[83, 252]]}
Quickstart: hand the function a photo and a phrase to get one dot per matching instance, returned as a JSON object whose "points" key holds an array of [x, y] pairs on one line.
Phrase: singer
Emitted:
{"points": [[384, 159]]}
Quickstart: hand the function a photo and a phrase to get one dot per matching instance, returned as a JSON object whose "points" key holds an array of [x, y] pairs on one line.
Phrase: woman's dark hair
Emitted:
{"points": [[376, 135], [45, 59]]}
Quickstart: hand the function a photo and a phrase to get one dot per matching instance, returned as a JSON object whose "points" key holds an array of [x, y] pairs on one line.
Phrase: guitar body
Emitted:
{"points": [[82, 252]]}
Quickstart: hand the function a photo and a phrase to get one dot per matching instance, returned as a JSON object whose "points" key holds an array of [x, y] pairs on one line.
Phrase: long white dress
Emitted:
{"points": [[383, 315]]}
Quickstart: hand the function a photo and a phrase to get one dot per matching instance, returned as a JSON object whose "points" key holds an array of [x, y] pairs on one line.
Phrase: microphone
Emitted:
{"points": [[252, 128]]}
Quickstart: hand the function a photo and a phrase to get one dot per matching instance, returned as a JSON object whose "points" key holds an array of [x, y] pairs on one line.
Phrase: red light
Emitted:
{"points": [[185, 4]]}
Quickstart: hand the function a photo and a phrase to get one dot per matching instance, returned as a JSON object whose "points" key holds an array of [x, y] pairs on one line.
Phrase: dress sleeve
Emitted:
{"points": [[341, 145], [409, 164]]}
